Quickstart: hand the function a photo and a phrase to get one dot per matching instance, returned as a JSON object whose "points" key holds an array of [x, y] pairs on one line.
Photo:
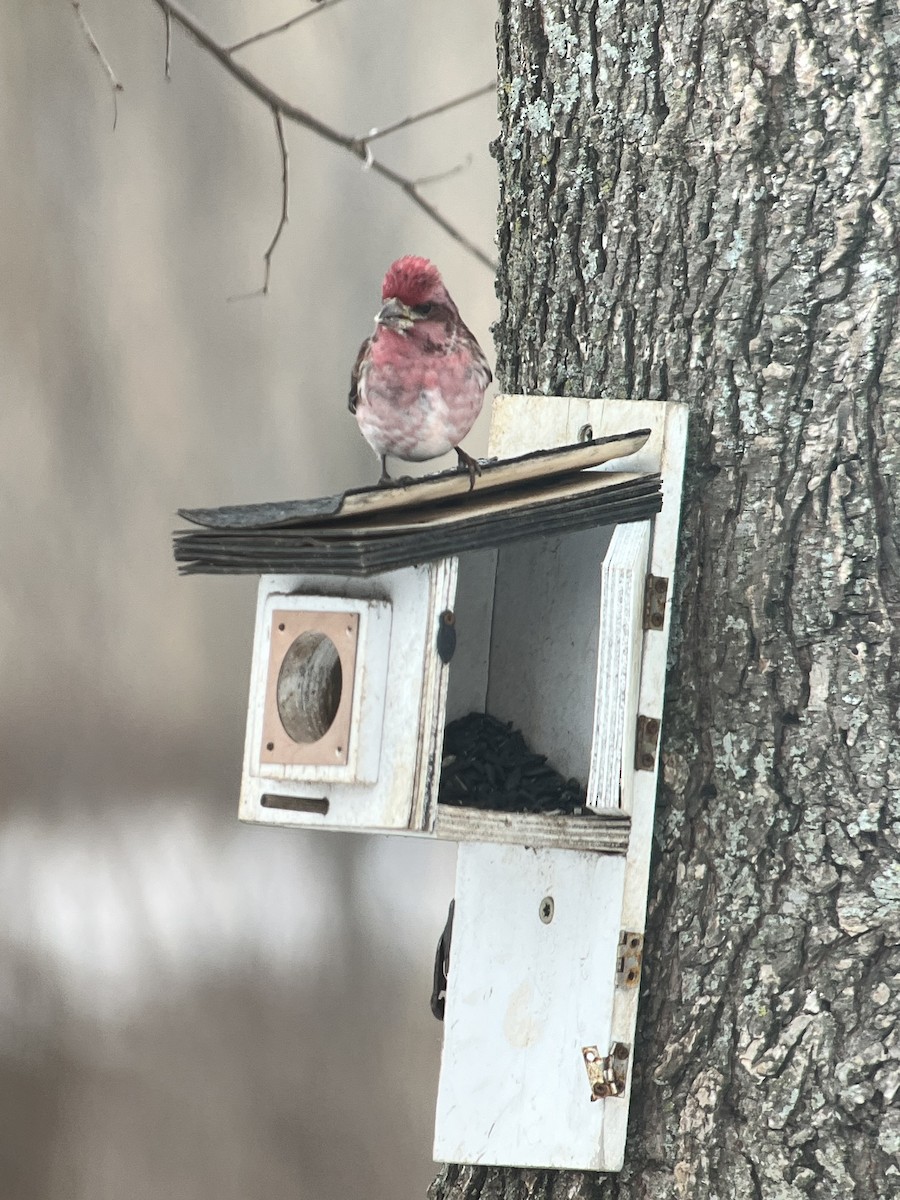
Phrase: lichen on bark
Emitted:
{"points": [[699, 203]]}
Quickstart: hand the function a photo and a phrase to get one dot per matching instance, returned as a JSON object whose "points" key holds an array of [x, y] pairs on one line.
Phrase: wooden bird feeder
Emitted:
{"points": [[389, 621]]}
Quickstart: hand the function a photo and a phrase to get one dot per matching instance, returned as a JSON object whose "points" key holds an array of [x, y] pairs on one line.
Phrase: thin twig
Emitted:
{"points": [[258, 37], [424, 180], [168, 20], [373, 134], [298, 116], [114, 84], [285, 208]]}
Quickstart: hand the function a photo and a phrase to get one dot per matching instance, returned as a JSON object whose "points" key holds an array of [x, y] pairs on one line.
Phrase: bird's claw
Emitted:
{"points": [[388, 480], [468, 463]]}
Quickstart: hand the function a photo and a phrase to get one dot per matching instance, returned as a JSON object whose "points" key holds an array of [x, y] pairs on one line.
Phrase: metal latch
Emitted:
{"points": [[645, 743], [446, 635], [442, 967], [655, 592], [628, 963], [607, 1073]]}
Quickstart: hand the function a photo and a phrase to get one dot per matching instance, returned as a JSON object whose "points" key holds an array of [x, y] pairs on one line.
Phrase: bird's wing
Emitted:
{"points": [[358, 368], [479, 356]]}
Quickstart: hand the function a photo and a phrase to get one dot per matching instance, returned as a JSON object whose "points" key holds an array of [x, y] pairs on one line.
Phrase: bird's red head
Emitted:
{"points": [[413, 281]]}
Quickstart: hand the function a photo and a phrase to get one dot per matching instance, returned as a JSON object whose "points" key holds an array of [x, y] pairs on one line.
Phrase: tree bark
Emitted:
{"points": [[698, 204]]}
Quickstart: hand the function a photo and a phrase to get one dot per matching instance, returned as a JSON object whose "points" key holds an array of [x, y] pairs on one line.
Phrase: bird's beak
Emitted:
{"points": [[396, 315]]}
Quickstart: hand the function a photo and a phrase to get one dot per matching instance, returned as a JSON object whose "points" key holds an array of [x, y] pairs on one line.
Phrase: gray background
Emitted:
{"points": [[189, 1007]]}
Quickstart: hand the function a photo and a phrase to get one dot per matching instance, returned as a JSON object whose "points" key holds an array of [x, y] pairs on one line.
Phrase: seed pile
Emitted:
{"points": [[488, 764]]}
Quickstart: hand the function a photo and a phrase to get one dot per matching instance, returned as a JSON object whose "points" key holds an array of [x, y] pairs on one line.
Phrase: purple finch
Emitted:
{"points": [[418, 382]]}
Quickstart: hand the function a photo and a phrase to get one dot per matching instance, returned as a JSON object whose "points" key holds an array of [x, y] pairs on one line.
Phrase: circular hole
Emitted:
{"points": [[281, 627], [270, 745], [309, 687]]}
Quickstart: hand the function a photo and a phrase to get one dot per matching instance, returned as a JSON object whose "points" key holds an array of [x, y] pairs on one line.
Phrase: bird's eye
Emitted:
{"points": [[423, 310]]}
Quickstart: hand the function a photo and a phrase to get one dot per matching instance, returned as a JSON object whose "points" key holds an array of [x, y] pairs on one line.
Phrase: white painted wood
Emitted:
{"points": [[368, 688], [415, 684], [671, 440], [618, 668], [543, 665], [524, 997], [432, 710], [607, 832], [481, 1080], [474, 610]]}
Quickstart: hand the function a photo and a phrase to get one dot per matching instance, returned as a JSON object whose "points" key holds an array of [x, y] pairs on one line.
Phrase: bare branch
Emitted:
{"points": [[291, 112], [424, 180], [409, 187], [285, 208], [429, 112], [168, 21], [321, 5], [114, 83]]}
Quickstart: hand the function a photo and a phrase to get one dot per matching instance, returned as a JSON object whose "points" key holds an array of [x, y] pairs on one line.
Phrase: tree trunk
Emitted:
{"points": [[698, 204]]}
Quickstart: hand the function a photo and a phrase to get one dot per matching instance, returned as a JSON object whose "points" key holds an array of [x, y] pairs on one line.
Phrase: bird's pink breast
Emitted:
{"points": [[416, 405]]}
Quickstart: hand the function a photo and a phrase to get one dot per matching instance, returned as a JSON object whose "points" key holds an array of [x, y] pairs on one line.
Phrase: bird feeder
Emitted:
{"points": [[534, 609]]}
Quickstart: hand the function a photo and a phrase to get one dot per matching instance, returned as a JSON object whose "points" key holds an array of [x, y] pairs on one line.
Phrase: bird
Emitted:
{"points": [[419, 381]]}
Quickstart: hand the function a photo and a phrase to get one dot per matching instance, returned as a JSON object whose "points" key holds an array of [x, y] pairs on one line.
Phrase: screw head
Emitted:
{"points": [[545, 909]]}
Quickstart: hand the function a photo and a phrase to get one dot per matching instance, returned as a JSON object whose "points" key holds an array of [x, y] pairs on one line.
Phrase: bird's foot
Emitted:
{"points": [[388, 481], [470, 464]]}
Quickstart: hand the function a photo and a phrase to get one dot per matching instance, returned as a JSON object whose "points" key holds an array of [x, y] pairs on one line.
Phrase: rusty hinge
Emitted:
{"points": [[645, 743], [606, 1073], [655, 593], [628, 960]]}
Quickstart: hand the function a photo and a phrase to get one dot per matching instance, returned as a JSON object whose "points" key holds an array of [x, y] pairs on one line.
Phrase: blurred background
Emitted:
{"points": [[190, 1008]]}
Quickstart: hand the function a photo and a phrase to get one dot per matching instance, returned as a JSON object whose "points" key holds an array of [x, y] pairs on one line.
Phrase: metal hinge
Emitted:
{"points": [[645, 743], [628, 962], [655, 593], [607, 1074]]}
